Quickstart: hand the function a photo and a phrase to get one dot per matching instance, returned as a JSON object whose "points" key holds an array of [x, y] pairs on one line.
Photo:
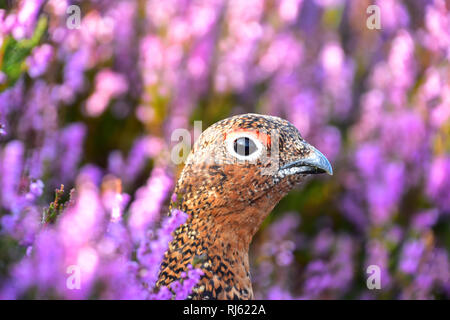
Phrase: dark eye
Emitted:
{"points": [[244, 146]]}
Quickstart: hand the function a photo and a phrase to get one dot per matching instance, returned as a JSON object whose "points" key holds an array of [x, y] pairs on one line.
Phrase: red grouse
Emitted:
{"points": [[237, 172]]}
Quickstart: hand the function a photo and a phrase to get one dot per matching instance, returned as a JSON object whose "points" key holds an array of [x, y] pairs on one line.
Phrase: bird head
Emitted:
{"points": [[240, 167]]}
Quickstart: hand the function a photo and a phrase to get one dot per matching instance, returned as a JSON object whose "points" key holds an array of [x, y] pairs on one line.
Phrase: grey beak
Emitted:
{"points": [[315, 163]]}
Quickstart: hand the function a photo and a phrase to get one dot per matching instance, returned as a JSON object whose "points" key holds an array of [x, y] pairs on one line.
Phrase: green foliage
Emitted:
{"points": [[57, 206], [13, 53]]}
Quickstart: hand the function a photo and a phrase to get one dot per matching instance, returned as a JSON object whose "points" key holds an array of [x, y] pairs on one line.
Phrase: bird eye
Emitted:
{"points": [[244, 146]]}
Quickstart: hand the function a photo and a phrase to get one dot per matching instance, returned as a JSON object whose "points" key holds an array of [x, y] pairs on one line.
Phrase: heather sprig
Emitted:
{"points": [[56, 207]]}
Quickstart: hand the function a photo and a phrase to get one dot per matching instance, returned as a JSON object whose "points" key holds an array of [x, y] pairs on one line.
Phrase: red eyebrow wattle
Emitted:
{"points": [[261, 136]]}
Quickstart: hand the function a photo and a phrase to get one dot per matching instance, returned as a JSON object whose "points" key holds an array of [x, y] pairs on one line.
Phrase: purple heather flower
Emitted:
{"points": [[145, 209], [368, 159], [426, 219], [278, 293], [22, 226], [108, 85], [73, 73], [115, 203], [11, 171], [26, 18], [441, 114], [116, 163], [42, 268], [124, 41], [282, 227], [83, 220], [404, 133], [199, 61], [38, 110], [72, 138], [394, 15], [437, 22], [378, 255], [438, 182], [318, 279], [34, 165], [141, 150], [411, 256], [163, 294], [323, 242], [39, 60], [332, 59], [92, 173], [288, 9], [150, 253], [383, 197], [342, 265], [184, 287], [284, 54], [151, 58], [36, 189], [354, 212], [304, 111]]}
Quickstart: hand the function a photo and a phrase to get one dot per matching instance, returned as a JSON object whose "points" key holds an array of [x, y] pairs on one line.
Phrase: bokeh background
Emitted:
{"points": [[93, 109]]}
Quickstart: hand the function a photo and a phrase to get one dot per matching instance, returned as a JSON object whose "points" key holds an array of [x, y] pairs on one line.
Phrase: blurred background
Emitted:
{"points": [[91, 91]]}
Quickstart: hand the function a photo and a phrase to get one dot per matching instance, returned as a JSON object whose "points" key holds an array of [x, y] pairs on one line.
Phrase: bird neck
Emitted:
{"points": [[220, 250], [234, 224], [216, 237]]}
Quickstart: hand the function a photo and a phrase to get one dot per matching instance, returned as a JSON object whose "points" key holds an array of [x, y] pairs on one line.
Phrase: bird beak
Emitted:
{"points": [[314, 163]]}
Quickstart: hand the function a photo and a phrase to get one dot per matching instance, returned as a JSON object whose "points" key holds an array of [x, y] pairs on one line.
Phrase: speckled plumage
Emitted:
{"points": [[227, 199]]}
